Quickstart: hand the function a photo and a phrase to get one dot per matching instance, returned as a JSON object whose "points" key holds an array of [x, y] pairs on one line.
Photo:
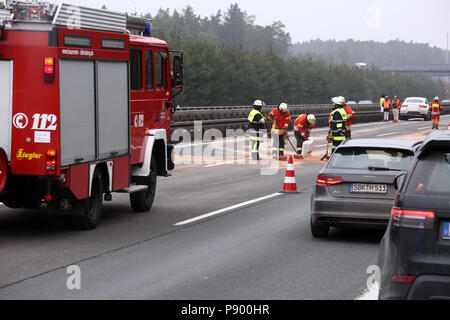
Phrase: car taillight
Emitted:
{"points": [[405, 106], [51, 162], [328, 180], [423, 106], [402, 279], [413, 219], [49, 69]]}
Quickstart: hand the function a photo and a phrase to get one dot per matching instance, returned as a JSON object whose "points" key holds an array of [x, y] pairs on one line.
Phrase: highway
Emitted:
{"points": [[205, 237]]}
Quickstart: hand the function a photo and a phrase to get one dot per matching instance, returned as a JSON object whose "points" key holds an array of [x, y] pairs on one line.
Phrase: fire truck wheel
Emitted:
{"points": [[89, 209], [142, 201]]}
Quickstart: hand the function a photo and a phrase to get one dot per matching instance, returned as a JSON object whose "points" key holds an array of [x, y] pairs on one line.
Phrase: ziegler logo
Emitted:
{"points": [[29, 156]]}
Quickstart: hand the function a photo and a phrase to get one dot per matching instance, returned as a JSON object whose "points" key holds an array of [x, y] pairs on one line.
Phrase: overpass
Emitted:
{"points": [[439, 71]]}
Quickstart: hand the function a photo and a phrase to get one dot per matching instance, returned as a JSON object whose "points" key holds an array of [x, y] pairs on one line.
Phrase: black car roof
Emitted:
{"points": [[381, 143]]}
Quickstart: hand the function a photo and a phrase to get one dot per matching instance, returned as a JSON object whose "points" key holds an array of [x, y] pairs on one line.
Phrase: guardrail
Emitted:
{"points": [[235, 117]]}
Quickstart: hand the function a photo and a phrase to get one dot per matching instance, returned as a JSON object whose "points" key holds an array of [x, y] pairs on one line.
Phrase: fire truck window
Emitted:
{"points": [[160, 71], [149, 69], [136, 70]]}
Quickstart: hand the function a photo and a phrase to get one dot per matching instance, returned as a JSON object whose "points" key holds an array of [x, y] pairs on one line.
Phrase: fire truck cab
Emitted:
{"points": [[86, 103]]}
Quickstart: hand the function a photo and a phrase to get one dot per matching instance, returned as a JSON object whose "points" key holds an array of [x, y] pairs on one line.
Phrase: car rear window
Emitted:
{"points": [[415, 101], [431, 175], [379, 158]]}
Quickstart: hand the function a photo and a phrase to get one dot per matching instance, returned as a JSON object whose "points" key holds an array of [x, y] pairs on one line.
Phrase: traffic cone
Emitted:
{"points": [[290, 186]]}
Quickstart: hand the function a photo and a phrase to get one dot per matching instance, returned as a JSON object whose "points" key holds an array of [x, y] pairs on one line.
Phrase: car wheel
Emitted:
{"points": [[88, 211], [319, 231], [142, 201]]}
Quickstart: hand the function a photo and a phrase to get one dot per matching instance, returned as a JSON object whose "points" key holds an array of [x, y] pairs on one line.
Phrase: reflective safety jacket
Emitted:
{"points": [[395, 103], [381, 102], [436, 108], [387, 104], [350, 116], [302, 126], [280, 121], [256, 119], [338, 120]]}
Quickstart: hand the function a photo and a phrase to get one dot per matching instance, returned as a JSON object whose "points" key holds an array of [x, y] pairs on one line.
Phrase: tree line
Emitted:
{"points": [[391, 53]]}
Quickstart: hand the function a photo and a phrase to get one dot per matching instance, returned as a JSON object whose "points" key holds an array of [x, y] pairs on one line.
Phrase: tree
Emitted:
{"points": [[2, 5]]}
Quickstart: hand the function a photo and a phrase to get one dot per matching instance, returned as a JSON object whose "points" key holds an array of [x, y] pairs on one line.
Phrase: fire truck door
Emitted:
{"points": [[77, 107], [6, 84]]}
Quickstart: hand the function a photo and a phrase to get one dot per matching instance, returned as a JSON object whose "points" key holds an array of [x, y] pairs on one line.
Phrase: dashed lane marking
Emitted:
{"points": [[228, 209], [388, 134]]}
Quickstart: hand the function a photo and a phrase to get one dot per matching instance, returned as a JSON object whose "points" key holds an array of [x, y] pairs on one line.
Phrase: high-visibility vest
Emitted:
{"points": [[256, 124], [280, 121], [386, 104], [436, 108], [338, 126], [302, 126]]}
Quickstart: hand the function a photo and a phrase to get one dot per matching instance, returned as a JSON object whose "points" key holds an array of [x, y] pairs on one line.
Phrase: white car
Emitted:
{"points": [[415, 107]]}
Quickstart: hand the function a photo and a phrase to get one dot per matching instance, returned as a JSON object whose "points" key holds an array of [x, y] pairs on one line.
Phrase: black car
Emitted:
{"points": [[356, 187], [414, 255]]}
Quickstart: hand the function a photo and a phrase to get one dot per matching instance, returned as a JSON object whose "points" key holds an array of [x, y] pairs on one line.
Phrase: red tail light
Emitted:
{"points": [[328, 180], [405, 106], [423, 106], [402, 279], [51, 162], [413, 219], [49, 69]]}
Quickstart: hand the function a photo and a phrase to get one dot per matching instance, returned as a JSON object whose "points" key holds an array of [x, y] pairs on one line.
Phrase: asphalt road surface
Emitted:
{"points": [[262, 249]]}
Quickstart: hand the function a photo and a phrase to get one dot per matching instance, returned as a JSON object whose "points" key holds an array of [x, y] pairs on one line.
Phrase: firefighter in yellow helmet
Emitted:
{"points": [[257, 123]]}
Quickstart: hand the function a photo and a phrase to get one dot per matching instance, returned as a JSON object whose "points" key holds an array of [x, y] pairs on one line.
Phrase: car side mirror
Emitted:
{"points": [[398, 181]]}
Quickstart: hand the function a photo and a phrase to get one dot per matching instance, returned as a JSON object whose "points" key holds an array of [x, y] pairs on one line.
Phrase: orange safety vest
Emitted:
{"points": [[302, 126], [387, 104], [280, 121], [350, 115]]}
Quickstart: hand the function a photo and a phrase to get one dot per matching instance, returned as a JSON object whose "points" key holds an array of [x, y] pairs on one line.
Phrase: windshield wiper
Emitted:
{"points": [[383, 169]]}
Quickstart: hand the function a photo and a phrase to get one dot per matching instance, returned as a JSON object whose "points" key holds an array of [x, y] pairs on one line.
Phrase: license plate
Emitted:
{"points": [[368, 188], [446, 230]]}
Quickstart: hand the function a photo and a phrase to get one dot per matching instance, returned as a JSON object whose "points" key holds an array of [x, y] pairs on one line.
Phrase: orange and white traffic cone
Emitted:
{"points": [[290, 186]]}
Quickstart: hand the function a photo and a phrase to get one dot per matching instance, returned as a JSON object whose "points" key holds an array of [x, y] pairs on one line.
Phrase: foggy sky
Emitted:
{"points": [[380, 20]]}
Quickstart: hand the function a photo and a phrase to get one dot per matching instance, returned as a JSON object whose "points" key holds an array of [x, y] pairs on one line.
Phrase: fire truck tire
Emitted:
{"points": [[89, 210], [142, 201]]}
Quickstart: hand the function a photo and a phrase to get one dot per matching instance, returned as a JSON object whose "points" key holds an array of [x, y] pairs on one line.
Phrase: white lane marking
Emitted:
{"points": [[237, 206], [387, 134], [423, 128], [219, 164]]}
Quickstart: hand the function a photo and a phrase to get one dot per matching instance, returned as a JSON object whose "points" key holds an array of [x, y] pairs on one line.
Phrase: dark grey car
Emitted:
{"points": [[356, 187]]}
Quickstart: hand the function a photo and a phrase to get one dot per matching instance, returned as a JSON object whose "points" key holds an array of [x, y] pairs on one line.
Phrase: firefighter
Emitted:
{"points": [[257, 123], [350, 116], [436, 110], [281, 118], [302, 130], [395, 104], [386, 108], [338, 121]]}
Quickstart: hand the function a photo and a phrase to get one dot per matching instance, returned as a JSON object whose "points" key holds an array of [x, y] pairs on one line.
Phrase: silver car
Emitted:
{"points": [[356, 187]]}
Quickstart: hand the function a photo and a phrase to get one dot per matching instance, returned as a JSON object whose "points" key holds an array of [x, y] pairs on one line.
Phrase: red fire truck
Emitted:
{"points": [[86, 102]]}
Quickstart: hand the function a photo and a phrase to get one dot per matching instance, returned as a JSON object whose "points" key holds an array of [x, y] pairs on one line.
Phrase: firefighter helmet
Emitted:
{"points": [[311, 118], [283, 107], [436, 99], [258, 103], [340, 100]]}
